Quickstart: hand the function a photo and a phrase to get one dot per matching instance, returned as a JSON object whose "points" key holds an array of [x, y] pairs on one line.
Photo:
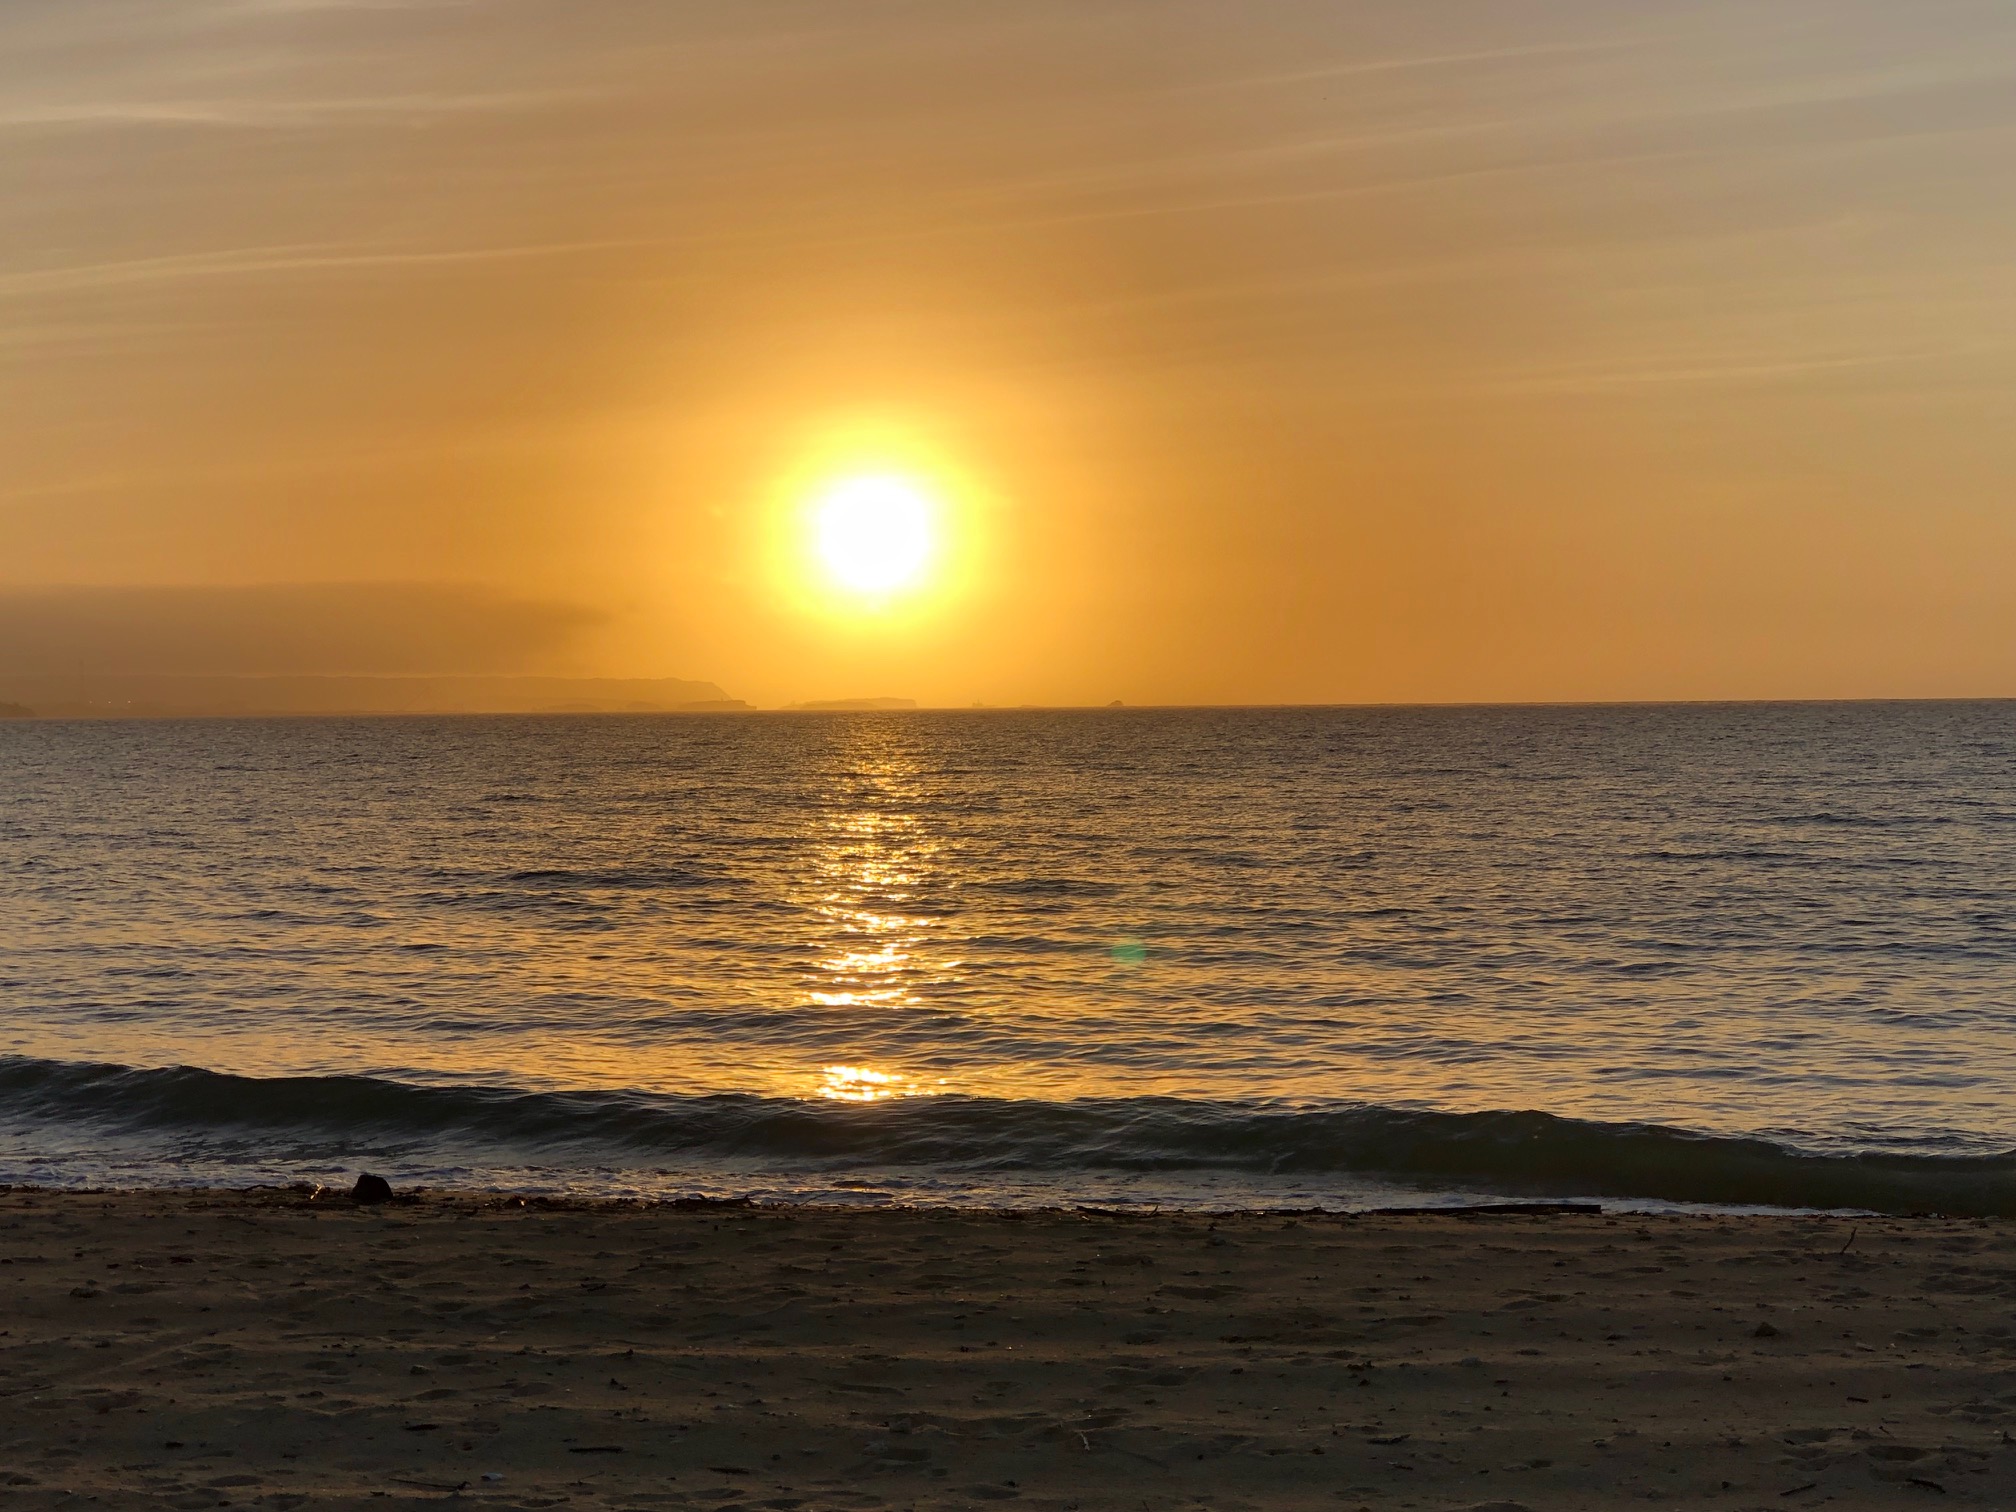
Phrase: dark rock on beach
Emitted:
{"points": [[371, 1188]]}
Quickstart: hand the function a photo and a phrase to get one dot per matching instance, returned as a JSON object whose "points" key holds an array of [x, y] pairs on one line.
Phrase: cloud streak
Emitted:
{"points": [[312, 258], [311, 628], [252, 113]]}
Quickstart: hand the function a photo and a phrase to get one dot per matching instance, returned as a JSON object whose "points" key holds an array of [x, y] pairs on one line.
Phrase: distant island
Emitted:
{"points": [[170, 697], [856, 703], [16, 711]]}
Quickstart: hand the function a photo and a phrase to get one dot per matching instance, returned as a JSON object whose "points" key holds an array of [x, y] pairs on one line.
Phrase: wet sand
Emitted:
{"points": [[264, 1350]]}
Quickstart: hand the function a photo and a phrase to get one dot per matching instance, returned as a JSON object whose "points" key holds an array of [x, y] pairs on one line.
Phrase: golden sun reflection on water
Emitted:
{"points": [[869, 867], [859, 1084]]}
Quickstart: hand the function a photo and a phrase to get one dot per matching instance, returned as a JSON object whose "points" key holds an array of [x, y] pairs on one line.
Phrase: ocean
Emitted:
{"points": [[1736, 955]]}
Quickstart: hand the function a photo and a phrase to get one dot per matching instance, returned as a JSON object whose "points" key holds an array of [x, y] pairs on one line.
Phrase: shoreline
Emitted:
{"points": [[1459, 1203], [256, 1348], [1455, 1202], [327, 1197]]}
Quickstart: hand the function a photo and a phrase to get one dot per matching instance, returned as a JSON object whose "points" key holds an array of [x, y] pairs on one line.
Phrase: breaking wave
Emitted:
{"points": [[70, 1119]]}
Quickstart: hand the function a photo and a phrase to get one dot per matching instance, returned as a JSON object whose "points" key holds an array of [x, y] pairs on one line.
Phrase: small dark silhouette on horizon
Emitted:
{"points": [[856, 704]]}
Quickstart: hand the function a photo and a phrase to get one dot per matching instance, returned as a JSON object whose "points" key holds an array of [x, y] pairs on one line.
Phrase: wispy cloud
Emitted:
{"points": [[253, 113], [238, 262], [1426, 62], [1734, 368], [326, 628]]}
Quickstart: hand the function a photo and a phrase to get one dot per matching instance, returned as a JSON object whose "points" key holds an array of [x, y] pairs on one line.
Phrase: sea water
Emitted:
{"points": [[1693, 953]]}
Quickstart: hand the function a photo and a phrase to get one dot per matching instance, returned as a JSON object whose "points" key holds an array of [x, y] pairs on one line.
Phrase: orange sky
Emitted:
{"points": [[1275, 351]]}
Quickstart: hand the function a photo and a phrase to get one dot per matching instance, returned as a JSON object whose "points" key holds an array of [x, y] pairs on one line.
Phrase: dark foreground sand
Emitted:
{"points": [[265, 1350]]}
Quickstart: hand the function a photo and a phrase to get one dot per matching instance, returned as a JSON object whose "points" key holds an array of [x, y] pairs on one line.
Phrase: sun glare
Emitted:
{"points": [[874, 534]]}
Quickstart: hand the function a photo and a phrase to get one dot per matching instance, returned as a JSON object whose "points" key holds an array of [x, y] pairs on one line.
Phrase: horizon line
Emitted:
{"points": [[714, 709]]}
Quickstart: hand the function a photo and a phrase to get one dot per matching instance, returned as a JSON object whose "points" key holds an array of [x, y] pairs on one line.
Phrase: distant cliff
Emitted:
{"points": [[159, 697], [16, 711]]}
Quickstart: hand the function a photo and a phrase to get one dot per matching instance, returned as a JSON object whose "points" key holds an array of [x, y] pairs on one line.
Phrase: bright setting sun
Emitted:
{"points": [[874, 534]]}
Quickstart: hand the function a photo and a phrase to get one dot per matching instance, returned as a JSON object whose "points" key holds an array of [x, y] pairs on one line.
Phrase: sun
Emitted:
{"points": [[875, 530], [875, 534]]}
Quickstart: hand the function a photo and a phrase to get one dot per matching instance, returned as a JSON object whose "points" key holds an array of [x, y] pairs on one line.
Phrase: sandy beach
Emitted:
{"points": [[263, 1349]]}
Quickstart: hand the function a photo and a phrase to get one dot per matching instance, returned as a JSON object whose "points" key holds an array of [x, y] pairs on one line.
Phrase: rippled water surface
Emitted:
{"points": [[1019, 953]]}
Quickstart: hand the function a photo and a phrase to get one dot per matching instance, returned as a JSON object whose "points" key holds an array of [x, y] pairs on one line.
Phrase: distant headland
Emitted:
{"points": [[171, 697], [855, 703]]}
